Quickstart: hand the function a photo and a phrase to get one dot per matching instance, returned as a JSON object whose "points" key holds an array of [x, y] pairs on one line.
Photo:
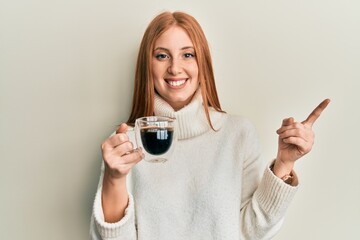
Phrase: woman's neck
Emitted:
{"points": [[191, 120]]}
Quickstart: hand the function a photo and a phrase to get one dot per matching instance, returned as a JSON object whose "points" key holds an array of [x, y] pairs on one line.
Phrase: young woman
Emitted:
{"points": [[214, 186]]}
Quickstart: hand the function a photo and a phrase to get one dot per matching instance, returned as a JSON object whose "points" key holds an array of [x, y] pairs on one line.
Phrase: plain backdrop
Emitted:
{"points": [[66, 80]]}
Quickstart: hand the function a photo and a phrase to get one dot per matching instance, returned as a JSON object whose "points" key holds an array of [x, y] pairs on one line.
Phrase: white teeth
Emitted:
{"points": [[177, 83]]}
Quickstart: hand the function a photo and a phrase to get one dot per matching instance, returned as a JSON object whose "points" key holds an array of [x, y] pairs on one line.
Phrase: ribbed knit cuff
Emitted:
{"points": [[125, 227], [273, 194]]}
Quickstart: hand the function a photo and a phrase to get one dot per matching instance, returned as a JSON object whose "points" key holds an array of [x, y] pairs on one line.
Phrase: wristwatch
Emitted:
{"points": [[287, 178]]}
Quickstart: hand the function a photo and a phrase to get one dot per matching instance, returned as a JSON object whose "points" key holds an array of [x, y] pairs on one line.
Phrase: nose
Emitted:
{"points": [[175, 67]]}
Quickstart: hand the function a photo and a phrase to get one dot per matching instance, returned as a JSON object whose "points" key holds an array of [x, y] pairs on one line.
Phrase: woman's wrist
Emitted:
{"points": [[282, 169], [113, 181]]}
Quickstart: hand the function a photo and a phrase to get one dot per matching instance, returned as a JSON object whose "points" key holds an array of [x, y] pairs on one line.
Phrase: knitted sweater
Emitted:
{"points": [[214, 186]]}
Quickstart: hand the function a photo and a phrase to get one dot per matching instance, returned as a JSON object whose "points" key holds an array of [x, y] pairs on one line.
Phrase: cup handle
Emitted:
{"points": [[132, 129]]}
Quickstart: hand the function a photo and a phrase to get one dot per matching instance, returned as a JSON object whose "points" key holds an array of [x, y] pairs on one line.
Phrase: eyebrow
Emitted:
{"points": [[165, 49]]}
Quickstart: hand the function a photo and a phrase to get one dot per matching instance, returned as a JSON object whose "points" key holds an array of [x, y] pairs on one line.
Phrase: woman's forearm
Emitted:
{"points": [[114, 198]]}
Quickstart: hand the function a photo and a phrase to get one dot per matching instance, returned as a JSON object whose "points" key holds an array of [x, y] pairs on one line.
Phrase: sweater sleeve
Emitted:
{"points": [[123, 229], [265, 197]]}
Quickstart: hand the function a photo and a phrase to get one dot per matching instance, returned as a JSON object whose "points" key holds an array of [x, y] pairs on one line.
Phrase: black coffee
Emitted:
{"points": [[156, 140]]}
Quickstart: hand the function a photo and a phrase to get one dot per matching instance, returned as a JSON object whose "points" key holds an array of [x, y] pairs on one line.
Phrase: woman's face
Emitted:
{"points": [[174, 67]]}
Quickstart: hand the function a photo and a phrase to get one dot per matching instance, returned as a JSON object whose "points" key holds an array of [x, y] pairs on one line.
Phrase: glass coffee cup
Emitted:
{"points": [[156, 136]]}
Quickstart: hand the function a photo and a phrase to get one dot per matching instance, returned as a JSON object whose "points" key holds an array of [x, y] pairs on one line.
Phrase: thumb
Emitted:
{"points": [[122, 128], [287, 121]]}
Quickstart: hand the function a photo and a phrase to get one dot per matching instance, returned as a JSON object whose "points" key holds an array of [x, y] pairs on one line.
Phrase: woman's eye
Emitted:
{"points": [[161, 56], [189, 55]]}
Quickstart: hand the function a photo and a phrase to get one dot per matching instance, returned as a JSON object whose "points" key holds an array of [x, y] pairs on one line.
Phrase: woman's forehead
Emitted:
{"points": [[174, 37]]}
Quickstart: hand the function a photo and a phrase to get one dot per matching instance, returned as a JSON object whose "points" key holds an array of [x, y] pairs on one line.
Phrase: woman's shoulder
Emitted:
{"points": [[238, 129], [238, 121], [238, 126]]}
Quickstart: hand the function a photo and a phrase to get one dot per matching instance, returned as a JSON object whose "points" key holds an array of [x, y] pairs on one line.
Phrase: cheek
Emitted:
{"points": [[155, 71], [194, 70], [157, 85], [157, 68]]}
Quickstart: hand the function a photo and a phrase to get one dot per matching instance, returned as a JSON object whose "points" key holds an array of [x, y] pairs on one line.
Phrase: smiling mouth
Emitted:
{"points": [[176, 83]]}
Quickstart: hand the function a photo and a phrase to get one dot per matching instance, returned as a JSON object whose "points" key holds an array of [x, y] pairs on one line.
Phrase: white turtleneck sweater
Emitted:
{"points": [[214, 186]]}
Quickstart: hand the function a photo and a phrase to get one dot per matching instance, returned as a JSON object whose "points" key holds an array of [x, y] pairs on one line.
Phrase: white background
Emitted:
{"points": [[66, 79]]}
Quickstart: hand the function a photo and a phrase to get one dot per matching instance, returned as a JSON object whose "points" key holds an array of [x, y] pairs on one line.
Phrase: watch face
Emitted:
{"points": [[287, 178]]}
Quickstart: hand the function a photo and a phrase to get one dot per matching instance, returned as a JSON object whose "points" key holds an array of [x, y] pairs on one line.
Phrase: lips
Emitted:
{"points": [[176, 82]]}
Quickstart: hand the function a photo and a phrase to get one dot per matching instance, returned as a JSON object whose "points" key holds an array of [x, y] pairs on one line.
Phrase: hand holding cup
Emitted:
{"points": [[119, 154]]}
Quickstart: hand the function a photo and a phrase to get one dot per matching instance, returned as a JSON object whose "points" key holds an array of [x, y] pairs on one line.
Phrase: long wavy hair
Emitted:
{"points": [[144, 90]]}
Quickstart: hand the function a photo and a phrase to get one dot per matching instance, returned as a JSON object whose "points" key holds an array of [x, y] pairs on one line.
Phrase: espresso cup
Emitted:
{"points": [[156, 135]]}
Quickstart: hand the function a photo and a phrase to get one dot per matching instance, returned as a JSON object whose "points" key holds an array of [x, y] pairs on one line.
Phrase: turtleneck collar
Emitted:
{"points": [[191, 119]]}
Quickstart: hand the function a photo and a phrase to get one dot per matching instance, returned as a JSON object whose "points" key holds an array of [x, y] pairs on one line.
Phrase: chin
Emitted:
{"points": [[176, 102]]}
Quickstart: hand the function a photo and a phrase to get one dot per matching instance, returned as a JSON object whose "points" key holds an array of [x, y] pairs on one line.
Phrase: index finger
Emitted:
{"points": [[114, 141], [315, 114], [122, 128]]}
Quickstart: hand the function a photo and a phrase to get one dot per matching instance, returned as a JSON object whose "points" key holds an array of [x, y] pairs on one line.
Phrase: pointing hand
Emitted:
{"points": [[296, 139]]}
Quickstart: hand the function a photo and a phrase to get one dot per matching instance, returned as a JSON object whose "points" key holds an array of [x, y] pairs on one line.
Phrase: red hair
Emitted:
{"points": [[143, 98]]}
